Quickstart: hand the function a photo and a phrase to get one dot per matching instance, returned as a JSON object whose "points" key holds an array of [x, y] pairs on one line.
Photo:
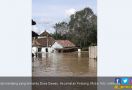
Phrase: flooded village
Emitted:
{"points": [[52, 57], [64, 46]]}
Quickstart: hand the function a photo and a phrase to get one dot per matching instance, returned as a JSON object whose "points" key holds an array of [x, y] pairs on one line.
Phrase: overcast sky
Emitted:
{"points": [[48, 12]]}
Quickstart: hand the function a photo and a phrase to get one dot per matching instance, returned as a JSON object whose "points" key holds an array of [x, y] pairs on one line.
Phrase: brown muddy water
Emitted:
{"points": [[64, 64]]}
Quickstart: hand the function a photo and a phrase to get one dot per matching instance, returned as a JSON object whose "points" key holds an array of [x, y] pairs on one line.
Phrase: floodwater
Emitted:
{"points": [[64, 64]]}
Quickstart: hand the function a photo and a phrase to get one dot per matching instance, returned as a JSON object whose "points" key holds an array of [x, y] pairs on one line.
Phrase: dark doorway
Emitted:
{"points": [[46, 49], [39, 49]]}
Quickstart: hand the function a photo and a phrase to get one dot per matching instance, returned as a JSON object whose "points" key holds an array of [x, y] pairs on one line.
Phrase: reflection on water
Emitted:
{"points": [[64, 64]]}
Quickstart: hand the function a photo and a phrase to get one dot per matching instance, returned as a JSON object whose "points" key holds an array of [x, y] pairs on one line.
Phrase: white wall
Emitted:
{"points": [[34, 49], [15, 29], [49, 49], [43, 49], [114, 37]]}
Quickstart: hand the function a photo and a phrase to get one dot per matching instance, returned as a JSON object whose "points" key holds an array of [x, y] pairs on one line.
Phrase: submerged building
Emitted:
{"points": [[46, 43], [43, 43], [64, 46]]}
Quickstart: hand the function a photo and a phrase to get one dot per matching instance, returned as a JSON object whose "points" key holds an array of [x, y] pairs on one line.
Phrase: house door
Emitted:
{"points": [[39, 49], [46, 49]]}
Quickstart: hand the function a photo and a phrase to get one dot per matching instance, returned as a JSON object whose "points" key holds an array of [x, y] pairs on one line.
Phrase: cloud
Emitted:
{"points": [[43, 21], [41, 28], [70, 12]]}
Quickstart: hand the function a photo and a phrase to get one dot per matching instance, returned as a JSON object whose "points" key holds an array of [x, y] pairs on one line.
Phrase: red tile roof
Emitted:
{"points": [[65, 43]]}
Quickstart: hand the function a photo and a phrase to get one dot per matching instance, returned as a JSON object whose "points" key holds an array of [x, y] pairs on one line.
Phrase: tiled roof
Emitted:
{"points": [[43, 41], [35, 43], [65, 43]]}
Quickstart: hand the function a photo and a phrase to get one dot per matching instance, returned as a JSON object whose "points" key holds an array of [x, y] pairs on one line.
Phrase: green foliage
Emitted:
{"points": [[61, 28], [81, 29], [59, 36]]}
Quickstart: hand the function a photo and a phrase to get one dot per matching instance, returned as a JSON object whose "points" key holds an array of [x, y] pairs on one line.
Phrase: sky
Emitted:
{"points": [[48, 12]]}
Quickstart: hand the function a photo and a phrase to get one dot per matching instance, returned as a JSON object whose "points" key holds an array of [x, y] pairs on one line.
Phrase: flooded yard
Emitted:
{"points": [[64, 64]]}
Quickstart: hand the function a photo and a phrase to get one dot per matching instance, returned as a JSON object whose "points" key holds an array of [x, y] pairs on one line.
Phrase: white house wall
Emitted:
{"points": [[49, 49], [34, 49], [43, 49]]}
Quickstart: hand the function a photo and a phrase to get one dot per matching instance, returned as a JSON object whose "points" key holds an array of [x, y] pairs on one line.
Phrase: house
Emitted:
{"points": [[43, 43], [46, 43], [63, 46]]}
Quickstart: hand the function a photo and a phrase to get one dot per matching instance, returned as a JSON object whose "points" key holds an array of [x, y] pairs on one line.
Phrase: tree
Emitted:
{"points": [[83, 26], [61, 30]]}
